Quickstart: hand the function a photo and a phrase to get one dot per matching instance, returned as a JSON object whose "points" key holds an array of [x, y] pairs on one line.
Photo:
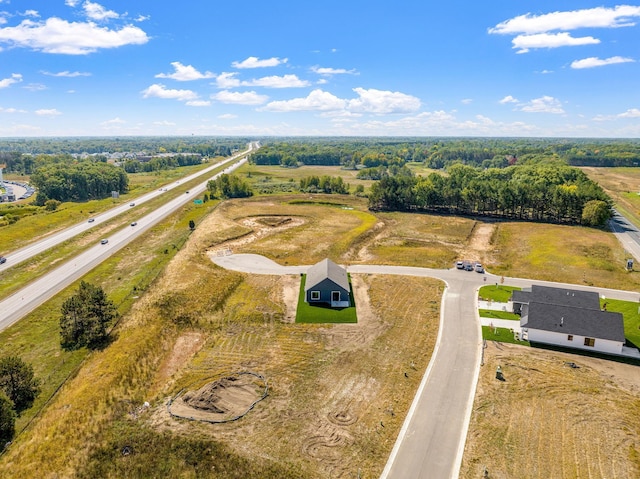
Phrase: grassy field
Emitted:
{"points": [[335, 392], [339, 392], [568, 254]]}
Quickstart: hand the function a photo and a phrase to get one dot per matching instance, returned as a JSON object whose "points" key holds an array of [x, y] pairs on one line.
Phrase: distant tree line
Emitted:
{"points": [[78, 181], [161, 163], [542, 192], [439, 153], [206, 146]]}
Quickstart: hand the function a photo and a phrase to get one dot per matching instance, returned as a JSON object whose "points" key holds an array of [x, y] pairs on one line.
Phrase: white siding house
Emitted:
{"points": [[570, 319]]}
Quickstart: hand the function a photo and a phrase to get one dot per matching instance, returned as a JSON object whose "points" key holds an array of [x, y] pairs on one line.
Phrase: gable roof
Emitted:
{"points": [[590, 323], [326, 269], [558, 296]]}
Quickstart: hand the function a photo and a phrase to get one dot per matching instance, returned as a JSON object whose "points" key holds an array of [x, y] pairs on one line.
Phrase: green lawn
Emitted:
{"points": [[306, 313], [630, 311], [498, 293], [501, 335], [492, 313]]}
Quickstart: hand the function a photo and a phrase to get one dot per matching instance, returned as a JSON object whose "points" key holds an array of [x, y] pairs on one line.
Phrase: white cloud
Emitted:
{"points": [[114, 121], [66, 74], [466, 101], [383, 102], [550, 40], [72, 38], [227, 80], [14, 78], [185, 73], [544, 104], [508, 99], [599, 17], [71, 3], [244, 98], [592, 62], [35, 87], [227, 116], [255, 62], [631, 113], [368, 101], [198, 103], [333, 71], [49, 112], [285, 81], [160, 91], [164, 123], [317, 100], [31, 13], [95, 11], [11, 110]]}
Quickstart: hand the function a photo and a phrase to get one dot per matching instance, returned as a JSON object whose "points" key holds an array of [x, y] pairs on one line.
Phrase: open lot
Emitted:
{"points": [[623, 185], [337, 393]]}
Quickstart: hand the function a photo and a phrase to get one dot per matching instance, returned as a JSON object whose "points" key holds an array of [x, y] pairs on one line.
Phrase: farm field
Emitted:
{"points": [[337, 393]]}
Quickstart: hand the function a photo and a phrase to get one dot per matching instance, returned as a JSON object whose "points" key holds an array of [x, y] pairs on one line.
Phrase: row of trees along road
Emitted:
{"points": [[541, 192]]}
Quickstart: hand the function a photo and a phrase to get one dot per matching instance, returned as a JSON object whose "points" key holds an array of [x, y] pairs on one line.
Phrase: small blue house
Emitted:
{"points": [[327, 283]]}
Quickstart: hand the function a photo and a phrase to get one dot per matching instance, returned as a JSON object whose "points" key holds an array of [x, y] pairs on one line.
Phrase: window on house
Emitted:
{"points": [[570, 337], [335, 295], [315, 295], [589, 342]]}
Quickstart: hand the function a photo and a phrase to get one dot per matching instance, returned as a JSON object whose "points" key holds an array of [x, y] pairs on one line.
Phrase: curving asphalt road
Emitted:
{"points": [[431, 442]]}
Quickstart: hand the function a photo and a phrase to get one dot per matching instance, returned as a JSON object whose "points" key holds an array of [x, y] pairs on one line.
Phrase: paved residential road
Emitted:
{"points": [[431, 442]]}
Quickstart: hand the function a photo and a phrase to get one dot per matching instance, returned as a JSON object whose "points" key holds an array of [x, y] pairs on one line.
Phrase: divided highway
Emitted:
{"points": [[23, 254], [40, 290]]}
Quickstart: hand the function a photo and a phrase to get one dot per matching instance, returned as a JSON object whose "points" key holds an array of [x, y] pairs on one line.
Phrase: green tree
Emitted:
{"points": [[7, 420], [85, 317], [595, 213], [51, 205], [18, 382], [192, 225]]}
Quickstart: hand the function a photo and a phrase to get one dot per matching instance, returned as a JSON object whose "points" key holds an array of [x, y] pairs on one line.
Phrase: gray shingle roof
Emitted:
{"points": [[591, 323], [326, 269], [559, 296]]}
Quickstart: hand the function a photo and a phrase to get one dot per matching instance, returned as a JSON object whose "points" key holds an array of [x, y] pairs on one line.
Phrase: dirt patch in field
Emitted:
{"points": [[225, 399], [260, 226], [479, 247]]}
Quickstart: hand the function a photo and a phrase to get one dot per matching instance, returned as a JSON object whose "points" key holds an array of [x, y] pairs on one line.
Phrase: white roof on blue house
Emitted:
{"points": [[326, 269]]}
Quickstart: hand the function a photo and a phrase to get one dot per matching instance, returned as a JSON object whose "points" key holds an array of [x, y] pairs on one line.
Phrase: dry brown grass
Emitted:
{"points": [[338, 394], [623, 185], [561, 253], [548, 420]]}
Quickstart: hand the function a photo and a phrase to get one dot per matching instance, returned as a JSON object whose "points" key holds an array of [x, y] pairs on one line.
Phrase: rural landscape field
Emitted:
{"points": [[337, 394]]}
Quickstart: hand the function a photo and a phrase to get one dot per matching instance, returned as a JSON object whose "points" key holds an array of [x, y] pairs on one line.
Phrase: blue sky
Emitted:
{"points": [[349, 67]]}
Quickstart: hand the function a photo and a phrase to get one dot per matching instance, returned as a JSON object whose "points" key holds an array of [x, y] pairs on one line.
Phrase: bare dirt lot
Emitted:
{"points": [[550, 420]]}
